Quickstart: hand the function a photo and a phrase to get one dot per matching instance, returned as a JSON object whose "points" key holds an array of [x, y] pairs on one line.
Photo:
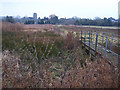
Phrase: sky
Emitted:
{"points": [[61, 8]]}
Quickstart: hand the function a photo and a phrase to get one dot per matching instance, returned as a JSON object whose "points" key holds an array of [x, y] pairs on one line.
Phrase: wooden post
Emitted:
{"points": [[81, 36], [84, 38], [111, 42], [89, 42], [106, 45], [91, 37], [102, 38], [96, 43]]}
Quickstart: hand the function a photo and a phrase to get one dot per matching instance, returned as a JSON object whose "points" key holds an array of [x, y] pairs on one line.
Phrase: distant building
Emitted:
{"points": [[35, 16]]}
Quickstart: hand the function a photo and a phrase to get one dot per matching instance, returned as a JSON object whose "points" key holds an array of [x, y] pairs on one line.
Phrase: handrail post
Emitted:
{"points": [[91, 37], [102, 38], [106, 45], [84, 38], [89, 42], [96, 43], [111, 42], [81, 36]]}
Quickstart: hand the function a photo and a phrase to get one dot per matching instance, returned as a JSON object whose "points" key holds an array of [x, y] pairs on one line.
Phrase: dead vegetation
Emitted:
{"points": [[12, 27], [47, 60], [97, 74]]}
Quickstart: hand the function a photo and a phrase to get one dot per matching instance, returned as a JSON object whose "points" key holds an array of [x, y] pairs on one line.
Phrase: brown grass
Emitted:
{"points": [[94, 29], [114, 48], [82, 72], [6, 26], [97, 74]]}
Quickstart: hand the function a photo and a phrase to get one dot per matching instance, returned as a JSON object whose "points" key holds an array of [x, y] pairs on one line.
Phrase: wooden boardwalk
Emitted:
{"points": [[101, 52]]}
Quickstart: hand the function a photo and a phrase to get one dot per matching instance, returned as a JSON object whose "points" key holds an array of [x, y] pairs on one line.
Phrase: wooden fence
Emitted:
{"points": [[101, 43]]}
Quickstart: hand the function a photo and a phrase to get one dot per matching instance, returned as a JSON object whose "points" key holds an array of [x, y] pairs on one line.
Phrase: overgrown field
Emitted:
{"points": [[48, 60]]}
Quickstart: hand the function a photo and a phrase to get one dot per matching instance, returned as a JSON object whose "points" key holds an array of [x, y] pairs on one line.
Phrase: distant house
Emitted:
{"points": [[30, 18], [113, 19]]}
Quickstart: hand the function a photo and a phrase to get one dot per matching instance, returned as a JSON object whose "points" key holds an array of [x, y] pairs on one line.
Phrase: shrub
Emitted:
{"points": [[70, 41]]}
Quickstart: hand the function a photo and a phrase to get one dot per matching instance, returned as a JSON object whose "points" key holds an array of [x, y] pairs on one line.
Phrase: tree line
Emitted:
{"points": [[53, 19]]}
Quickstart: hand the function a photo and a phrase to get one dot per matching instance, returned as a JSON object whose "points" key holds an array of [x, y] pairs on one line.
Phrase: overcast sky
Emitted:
{"points": [[61, 8]]}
